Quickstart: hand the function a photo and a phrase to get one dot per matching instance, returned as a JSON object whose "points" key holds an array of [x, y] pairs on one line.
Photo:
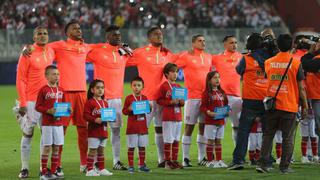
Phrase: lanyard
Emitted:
{"points": [[103, 106], [136, 98], [170, 85], [219, 97], [56, 96]]}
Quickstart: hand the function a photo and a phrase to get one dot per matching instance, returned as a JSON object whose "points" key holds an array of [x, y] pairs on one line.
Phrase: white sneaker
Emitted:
{"points": [[304, 160], [92, 172], [222, 164], [105, 172], [315, 159], [211, 164], [83, 169], [217, 165], [278, 161]]}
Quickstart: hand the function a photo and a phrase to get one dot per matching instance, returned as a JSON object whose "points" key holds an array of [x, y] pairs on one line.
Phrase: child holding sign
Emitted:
{"points": [[52, 129], [135, 107], [214, 104], [171, 115], [97, 128]]}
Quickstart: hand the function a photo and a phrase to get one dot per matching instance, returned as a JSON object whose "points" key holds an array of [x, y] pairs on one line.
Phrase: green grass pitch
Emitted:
{"points": [[10, 154]]}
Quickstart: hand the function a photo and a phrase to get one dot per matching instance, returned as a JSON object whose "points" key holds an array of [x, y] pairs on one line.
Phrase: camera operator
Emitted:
{"points": [[310, 61], [251, 68], [286, 103], [269, 41]]}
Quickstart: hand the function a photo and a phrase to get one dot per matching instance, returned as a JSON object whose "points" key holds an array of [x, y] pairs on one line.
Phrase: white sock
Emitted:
{"points": [[201, 140], [25, 152], [115, 141], [186, 143], [159, 143], [234, 135], [41, 149]]}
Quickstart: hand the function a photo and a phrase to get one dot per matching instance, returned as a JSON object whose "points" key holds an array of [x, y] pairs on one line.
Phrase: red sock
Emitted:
{"points": [[167, 151], [218, 150], [100, 161], [54, 162], [257, 154], [90, 161], [59, 156], [209, 150], [175, 150], [304, 143], [83, 143], [142, 156], [279, 150], [251, 155], [130, 156], [314, 146], [44, 164]]}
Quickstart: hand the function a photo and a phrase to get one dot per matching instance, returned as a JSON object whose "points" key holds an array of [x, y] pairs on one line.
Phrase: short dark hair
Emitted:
{"points": [[39, 27], [138, 78], [227, 37], [153, 28], [195, 37], [112, 28], [73, 21], [48, 68], [284, 42], [169, 67], [254, 41]]}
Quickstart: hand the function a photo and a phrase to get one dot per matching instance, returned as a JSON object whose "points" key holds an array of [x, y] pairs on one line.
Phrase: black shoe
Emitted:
{"points": [[235, 166], [59, 171], [119, 166], [287, 170], [162, 164], [186, 163], [261, 169], [253, 162], [203, 162], [24, 173]]}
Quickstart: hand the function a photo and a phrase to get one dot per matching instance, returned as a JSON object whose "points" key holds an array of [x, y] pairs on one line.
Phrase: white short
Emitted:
{"points": [[30, 120], [255, 141], [52, 135], [235, 104], [117, 104], [171, 131], [307, 127], [213, 132], [94, 143], [192, 113], [155, 115], [278, 137], [137, 140]]}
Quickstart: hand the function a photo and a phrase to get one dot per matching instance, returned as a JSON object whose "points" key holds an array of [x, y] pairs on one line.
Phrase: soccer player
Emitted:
{"points": [[137, 130], [51, 127], [30, 78], [195, 64], [70, 56], [225, 63], [97, 130], [171, 117], [150, 61], [109, 66]]}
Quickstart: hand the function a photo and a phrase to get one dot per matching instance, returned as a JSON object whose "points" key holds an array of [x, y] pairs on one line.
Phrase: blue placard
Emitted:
{"points": [[108, 114], [140, 107], [62, 109], [179, 93], [221, 112]]}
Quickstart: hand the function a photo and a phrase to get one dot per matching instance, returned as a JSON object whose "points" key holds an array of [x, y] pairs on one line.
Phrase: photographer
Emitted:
{"points": [[251, 68], [309, 60], [283, 116]]}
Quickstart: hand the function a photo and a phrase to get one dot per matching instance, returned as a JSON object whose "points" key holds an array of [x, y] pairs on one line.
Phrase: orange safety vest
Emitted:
{"points": [[254, 84], [313, 83], [288, 95]]}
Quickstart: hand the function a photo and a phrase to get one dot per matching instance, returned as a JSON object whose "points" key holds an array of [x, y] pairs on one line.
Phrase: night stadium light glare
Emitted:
{"points": [[162, 26], [131, 1], [33, 9], [149, 16], [59, 9], [141, 8]]}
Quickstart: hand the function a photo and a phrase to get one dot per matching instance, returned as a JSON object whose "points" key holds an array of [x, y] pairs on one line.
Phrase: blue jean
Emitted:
{"points": [[247, 118]]}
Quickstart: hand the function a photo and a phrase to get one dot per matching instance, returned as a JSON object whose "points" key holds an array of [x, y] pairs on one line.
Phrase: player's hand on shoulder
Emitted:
{"points": [[181, 102], [51, 111], [98, 120], [174, 101], [130, 108], [22, 111], [27, 50], [210, 113]]}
